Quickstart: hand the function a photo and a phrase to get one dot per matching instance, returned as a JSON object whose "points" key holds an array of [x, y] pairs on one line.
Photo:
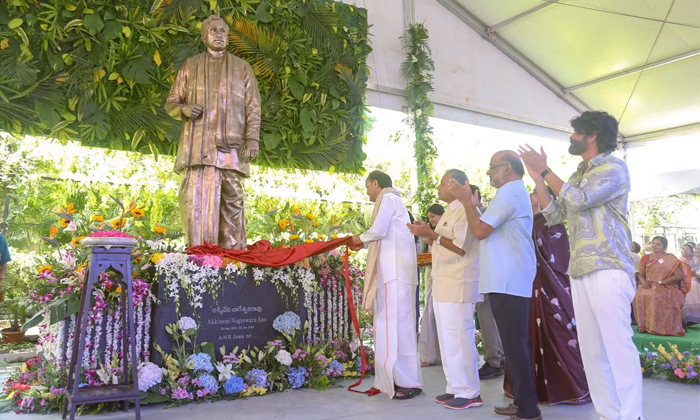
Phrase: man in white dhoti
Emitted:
{"points": [[390, 289], [455, 292]]}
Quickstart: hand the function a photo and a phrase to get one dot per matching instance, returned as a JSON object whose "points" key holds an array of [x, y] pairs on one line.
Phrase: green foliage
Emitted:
{"points": [[419, 82], [99, 72]]}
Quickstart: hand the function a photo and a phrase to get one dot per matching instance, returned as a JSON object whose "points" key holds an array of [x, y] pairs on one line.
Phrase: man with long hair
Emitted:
{"points": [[594, 201]]}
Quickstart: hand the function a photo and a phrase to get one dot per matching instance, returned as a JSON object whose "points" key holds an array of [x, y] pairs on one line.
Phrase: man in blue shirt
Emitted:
{"points": [[4, 258], [507, 268]]}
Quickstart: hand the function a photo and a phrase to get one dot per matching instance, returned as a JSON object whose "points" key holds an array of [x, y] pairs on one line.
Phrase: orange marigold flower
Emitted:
{"points": [[309, 216], [314, 224], [64, 222], [293, 237], [118, 223], [160, 229], [76, 241], [309, 241], [45, 268], [321, 238], [138, 213], [97, 219]]}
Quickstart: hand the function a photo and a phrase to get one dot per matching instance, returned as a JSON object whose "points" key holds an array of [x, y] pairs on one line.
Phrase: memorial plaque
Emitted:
{"points": [[241, 316]]}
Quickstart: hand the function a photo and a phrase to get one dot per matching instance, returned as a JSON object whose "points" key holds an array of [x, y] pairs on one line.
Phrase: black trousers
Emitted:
{"points": [[512, 315]]}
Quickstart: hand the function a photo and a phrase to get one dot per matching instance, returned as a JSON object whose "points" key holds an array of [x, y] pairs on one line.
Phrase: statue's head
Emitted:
{"points": [[215, 33]]}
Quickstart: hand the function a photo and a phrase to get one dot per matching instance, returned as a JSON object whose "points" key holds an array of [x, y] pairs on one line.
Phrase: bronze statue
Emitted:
{"points": [[216, 96]]}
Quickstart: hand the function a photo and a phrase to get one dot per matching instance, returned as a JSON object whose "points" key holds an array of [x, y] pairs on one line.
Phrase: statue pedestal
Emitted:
{"points": [[240, 316]]}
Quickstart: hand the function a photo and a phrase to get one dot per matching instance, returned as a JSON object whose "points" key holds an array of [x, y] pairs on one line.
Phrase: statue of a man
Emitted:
{"points": [[216, 96]]}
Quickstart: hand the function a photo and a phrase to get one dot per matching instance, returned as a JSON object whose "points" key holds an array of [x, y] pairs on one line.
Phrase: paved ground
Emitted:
{"points": [[662, 400]]}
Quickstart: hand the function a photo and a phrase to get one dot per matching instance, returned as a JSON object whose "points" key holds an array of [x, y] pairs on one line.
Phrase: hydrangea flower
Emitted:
{"points": [[334, 369], [257, 378], [149, 375], [284, 357], [296, 377], [234, 385], [209, 383], [287, 323], [187, 323], [200, 362]]}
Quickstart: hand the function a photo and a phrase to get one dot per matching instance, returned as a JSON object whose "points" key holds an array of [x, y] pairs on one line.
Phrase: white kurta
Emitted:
{"points": [[396, 353]]}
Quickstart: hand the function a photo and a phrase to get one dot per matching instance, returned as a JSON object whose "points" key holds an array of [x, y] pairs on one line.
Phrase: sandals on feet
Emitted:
{"points": [[408, 393]]}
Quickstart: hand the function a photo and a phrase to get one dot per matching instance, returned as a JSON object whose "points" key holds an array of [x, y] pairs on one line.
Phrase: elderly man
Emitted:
{"points": [[390, 289], [594, 201], [455, 292], [507, 270], [216, 96]]}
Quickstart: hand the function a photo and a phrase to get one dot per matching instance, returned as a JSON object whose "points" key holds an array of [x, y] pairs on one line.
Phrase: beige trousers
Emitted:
{"points": [[212, 206]]}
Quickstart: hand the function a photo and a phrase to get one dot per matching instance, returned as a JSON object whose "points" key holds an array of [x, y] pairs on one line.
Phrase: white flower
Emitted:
{"points": [[284, 357], [149, 375], [225, 371], [187, 323], [72, 227], [414, 58]]}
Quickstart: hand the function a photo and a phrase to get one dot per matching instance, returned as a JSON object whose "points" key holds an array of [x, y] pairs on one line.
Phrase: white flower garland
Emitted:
{"points": [[334, 309], [147, 331], [139, 332]]}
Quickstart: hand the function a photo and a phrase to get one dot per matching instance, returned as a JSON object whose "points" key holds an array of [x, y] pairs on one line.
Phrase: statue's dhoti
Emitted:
{"points": [[211, 206]]}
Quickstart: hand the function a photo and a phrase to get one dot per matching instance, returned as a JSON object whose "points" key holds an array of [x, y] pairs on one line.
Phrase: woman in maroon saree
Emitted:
{"points": [[558, 369]]}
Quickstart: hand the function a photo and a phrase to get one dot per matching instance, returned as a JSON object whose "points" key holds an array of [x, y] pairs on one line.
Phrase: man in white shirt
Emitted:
{"points": [[391, 284], [506, 229], [455, 292]]}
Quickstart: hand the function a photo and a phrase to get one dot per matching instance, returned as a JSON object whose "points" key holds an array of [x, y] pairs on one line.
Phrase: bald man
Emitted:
{"points": [[507, 268]]}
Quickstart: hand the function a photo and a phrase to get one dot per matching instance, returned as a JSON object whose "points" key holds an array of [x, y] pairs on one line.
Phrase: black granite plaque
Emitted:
{"points": [[241, 316]]}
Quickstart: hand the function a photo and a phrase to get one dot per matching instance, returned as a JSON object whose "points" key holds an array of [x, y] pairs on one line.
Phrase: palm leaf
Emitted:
{"points": [[257, 45], [319, 24]]}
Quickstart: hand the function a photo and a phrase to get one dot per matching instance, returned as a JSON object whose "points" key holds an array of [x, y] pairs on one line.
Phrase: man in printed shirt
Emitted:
{"points": [[601, 268], [455, 292]]}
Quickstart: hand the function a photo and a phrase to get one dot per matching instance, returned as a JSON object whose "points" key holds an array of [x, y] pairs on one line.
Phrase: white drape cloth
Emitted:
{"points": [[455, 324], [602, 302], [396, 352]]}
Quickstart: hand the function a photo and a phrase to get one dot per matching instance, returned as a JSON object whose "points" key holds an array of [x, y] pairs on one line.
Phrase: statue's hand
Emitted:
{"points": [[251, 149], [192, 111]]}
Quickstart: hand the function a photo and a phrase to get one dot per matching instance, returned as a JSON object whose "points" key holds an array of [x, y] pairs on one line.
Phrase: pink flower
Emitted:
{"points": [[110, 234], [573, 343], [679, 373], [212, 261]]}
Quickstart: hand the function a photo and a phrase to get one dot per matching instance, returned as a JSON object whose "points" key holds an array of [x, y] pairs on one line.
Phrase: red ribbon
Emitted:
{"points": [[363, 361]]}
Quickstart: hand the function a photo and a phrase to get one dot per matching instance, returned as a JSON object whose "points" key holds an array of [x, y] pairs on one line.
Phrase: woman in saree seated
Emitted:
{"points": [[659, 301]]}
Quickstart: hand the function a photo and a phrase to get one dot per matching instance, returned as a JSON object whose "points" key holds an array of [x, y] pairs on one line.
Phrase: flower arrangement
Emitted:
{"points": [[191, 373], [675, 366], [35, 387]]}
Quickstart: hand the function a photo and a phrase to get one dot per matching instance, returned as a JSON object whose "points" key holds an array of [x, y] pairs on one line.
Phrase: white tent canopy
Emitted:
{"points": [[529, 66]]}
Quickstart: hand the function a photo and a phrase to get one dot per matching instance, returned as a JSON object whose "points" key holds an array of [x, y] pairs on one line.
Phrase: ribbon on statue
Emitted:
{"points": [[263, 254]]}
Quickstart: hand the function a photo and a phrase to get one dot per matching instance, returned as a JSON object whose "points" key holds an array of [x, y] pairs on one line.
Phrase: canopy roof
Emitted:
{"points": [[638, 60], [531, 65]]}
